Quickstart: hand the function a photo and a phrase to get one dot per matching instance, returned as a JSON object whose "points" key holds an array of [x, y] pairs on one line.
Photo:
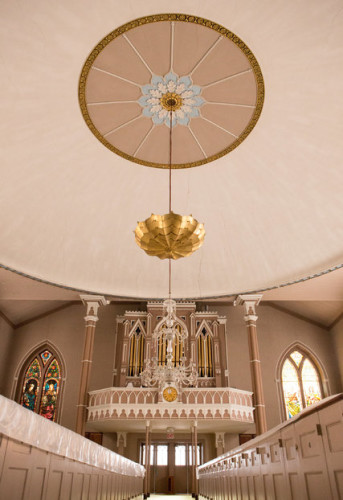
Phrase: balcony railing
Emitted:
{"points": [[143, 403]]}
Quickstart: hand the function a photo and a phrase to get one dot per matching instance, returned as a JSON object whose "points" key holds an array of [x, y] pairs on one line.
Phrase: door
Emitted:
{"points": [[171, 467]]}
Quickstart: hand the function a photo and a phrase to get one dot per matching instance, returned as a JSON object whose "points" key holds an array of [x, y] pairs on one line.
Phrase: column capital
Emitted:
{"points": [[250, 302], [92, 303]]}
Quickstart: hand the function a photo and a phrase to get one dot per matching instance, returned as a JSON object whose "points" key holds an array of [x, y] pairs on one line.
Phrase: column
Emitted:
{"points": [[92, 303], [250, 302], [220, 439], [192, 468], [147, 460], [195, 459], [121, 442]]}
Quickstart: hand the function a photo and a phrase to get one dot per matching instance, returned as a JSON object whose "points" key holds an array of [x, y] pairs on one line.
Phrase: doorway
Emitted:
{"points": [[170, 466]]}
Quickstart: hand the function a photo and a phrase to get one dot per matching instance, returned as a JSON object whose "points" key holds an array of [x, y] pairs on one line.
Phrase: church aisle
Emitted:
{"points": [[165, 497]]}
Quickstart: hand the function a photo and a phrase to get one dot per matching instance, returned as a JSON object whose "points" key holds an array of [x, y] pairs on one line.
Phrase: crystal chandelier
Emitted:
{"points": [[169, 236], [158, 375]]}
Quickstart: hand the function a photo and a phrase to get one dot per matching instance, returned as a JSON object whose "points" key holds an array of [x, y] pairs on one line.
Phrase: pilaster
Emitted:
{"points": [[92, 303], [250, 302]]}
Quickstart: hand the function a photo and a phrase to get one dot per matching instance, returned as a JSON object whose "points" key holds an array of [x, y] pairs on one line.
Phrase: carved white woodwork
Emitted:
{"points": [[137, 403], [92, 303]]}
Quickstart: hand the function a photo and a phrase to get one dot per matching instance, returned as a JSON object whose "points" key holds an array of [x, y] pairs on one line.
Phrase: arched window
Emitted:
{"points": [[178, 347], [205, 353], [301, 382], [41, 384], [136, 352]]}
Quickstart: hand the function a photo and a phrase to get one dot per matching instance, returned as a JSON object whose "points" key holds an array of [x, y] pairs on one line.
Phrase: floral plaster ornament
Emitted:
{"points": [[171, 93]]}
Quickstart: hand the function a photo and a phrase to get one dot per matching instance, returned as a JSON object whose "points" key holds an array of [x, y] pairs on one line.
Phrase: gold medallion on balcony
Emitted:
{"points": [[170, 236]]}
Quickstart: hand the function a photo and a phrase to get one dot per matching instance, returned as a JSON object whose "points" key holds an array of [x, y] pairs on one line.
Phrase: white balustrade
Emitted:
{"points": [[135, 402]]}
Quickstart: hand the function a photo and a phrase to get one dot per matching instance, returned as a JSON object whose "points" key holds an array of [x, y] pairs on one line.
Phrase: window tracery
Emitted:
{"points": [[301, 382]]}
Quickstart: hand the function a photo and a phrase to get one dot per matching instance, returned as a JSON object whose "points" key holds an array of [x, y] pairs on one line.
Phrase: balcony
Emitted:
{"points": [[127, 408]]}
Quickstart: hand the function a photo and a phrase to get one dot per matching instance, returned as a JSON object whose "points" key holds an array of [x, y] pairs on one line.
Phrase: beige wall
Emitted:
{"points": [[65, 330], [337, 336], [6, 333], [276, 332]]}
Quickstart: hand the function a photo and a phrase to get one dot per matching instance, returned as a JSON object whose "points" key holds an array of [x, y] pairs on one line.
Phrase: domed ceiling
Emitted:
{"points": [[257, 91]]}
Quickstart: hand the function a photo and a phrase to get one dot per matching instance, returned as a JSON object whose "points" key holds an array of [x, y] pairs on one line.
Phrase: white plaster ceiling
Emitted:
{"points": [[272, 208]]}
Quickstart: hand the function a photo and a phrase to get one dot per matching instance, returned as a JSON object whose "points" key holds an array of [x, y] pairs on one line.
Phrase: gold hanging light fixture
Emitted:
{"points": [[170, 236]]}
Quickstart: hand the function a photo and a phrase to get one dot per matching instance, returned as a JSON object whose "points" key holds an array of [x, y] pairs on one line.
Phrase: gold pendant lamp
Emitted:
{"points": [[170, 236]]}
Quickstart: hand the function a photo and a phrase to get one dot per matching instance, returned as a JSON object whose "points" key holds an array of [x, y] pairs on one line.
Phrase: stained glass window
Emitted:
{"points": [[41, 384], [300, 383], [311, 385], [291, 389], [45, 355], [297, 357]]}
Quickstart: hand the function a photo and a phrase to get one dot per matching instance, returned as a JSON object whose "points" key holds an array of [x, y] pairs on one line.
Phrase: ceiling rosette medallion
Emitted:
{"points": [[198, 69], [171, 93]]}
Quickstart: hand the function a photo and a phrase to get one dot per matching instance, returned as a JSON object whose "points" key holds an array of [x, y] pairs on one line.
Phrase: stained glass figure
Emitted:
{"points": [[30, 394], [300, 382], [291, 389], [50, 391], [31, 385], [297, 357], [49, 399], [311, 385], [45, 355]]}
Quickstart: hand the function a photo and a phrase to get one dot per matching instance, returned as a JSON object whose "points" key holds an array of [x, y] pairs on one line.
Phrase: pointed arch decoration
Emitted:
{"points": [[301, 379], [136, 349], [205, 350], [39, 386]]}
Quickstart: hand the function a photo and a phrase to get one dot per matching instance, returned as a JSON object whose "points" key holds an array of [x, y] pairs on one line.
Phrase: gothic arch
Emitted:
{"points": [[39, 381], [136, 353], [205, 349], [309, 355]]}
